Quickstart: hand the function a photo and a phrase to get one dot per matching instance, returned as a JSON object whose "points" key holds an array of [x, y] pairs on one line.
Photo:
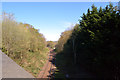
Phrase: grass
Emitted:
{"points": [[33, 62], [58, 74], [36, 62]]}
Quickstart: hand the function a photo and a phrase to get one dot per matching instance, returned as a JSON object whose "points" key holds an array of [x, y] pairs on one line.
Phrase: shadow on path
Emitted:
{"points": [[58, 71]]}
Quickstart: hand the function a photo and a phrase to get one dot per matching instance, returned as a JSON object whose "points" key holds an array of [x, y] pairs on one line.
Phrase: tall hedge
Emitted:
{"points": [[95, 42]]}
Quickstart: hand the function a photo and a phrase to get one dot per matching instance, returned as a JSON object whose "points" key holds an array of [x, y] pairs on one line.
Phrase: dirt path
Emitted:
{"points": [[46, 70]]}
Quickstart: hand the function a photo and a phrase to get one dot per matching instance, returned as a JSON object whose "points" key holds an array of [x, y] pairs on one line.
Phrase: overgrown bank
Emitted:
{"points": [[24, 44]]}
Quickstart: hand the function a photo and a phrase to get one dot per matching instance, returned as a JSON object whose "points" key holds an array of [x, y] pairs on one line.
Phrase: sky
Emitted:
{"points": [[51, 18]]}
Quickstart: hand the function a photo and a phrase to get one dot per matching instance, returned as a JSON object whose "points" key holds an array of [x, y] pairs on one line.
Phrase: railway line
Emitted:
{"points": [[48, 68]]}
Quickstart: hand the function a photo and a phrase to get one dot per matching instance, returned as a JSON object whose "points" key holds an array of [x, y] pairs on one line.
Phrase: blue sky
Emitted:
{"points": [[51, 18]]}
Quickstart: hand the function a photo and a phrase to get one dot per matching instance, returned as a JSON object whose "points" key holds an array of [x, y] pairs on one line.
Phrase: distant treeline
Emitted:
{"points": [[94, 43], [51, 44], [23, 43]]}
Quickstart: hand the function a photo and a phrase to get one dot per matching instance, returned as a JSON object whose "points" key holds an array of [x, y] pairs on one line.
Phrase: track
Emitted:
{"points": [[47, 69]]}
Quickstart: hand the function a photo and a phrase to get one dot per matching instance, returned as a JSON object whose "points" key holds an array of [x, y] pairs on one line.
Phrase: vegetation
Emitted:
{"points": [[51, 44], [24, 44], [93, 44], [63, 39]]}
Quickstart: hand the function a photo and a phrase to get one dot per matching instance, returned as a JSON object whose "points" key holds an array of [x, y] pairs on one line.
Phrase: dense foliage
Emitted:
{"points": [[23, 43], [63, 39], [94, 44]]}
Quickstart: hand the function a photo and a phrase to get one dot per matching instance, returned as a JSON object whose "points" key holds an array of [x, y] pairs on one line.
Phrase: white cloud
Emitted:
{"points": [[68, 24]]}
